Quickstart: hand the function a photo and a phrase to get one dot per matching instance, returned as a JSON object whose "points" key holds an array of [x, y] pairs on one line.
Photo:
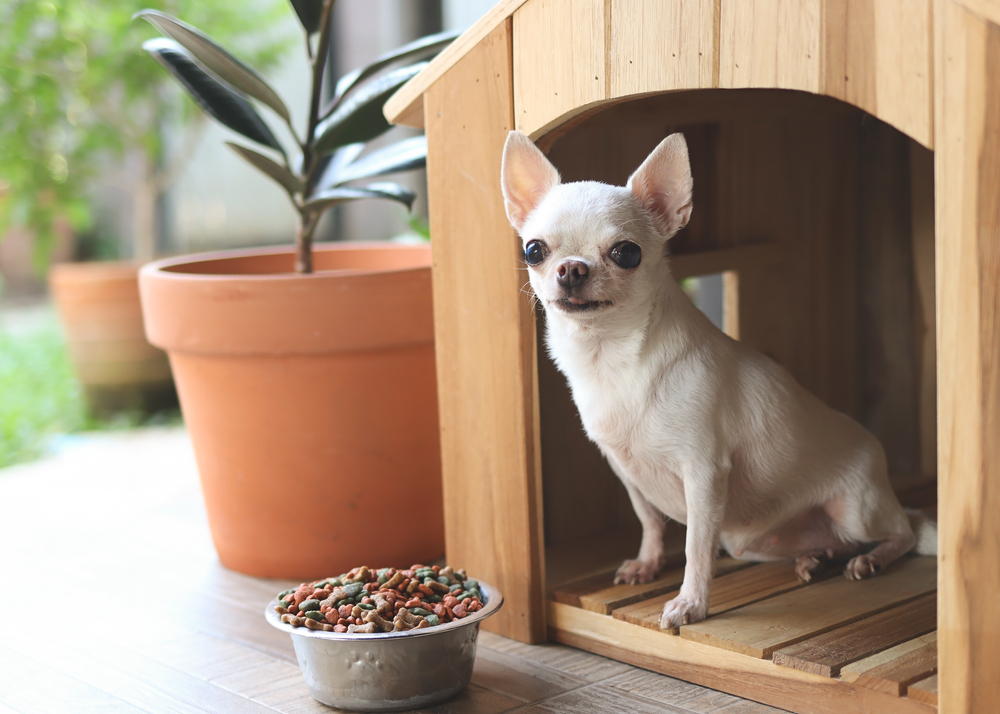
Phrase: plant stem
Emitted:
{"points": [[303, 242], [308, 220]]}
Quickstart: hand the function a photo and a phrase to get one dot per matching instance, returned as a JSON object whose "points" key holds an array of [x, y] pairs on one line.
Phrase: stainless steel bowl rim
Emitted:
{"points": [[493, 602]]}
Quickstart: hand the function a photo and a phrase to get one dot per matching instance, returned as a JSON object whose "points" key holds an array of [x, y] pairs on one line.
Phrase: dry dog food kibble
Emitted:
{"points": [[386, 600]]}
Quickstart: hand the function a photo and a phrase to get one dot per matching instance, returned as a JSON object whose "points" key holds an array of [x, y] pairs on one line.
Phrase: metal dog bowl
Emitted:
{"points": [[389, 671]]}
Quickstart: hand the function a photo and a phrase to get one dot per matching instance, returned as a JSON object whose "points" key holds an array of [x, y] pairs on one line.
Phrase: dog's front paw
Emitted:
{"points": [[861, 567], [637, 571], [682, 611]]}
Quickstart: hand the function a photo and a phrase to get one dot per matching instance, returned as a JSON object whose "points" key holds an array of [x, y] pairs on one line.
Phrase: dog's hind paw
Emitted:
{"points": [[682, 611], [861, 567], [637, 571]]}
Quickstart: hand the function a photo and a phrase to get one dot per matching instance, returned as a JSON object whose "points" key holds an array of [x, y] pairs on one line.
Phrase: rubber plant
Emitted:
{"points": [[316, 172]]}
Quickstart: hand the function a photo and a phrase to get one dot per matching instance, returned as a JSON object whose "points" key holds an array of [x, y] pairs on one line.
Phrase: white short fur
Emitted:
{"points": [[699, 427]]}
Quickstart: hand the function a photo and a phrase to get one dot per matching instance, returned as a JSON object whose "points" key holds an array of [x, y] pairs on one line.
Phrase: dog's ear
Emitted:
{"points": [[525, 177], [663, 184]]}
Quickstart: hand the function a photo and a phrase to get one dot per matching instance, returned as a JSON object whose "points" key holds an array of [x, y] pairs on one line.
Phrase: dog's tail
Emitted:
{"points": [[926, 531]]}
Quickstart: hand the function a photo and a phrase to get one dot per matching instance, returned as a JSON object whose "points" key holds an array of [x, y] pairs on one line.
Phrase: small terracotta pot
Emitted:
{"points": [[311, 401], [98, 304]]}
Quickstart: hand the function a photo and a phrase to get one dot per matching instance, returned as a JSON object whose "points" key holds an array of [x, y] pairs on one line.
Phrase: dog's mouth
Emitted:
{"points": [[576, 304]]}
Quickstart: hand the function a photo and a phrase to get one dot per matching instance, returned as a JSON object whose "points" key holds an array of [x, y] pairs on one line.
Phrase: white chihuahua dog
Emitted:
{"points": [[699, 427]]}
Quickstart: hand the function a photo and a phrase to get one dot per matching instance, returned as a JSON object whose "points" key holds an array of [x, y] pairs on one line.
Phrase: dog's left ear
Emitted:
{"points": [[663, 184], [525, 177]]}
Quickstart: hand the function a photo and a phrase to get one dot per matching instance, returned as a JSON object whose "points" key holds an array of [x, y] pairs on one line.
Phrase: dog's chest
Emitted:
{"points": [[626, 412]]}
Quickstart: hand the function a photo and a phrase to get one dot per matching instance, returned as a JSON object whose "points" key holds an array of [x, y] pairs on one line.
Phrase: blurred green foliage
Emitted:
{"points": [[76, 86], [40, 395]]}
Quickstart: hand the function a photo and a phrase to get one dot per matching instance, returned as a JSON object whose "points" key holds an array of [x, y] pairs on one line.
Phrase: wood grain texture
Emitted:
{"points": [[559, 60], [728, 591], [661, 46], [967, 173], [925, 690], [486, 350], [763, 627], [826, 654], [720, 669], [607, 599], [894, 677], [851, 672]]}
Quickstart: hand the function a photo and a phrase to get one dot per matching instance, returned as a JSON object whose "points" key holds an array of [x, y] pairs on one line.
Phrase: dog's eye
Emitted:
{"points": [[626, 254], [535, 252]]}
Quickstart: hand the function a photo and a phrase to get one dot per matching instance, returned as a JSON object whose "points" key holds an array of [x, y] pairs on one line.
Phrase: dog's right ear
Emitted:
{"points": [[526, 176]]}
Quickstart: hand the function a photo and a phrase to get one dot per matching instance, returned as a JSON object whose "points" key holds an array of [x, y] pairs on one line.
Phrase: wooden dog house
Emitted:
{"points": [[846, 159]]}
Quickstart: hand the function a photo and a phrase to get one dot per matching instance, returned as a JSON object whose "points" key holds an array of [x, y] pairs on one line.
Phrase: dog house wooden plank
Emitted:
{"points": [[851, 672], [895, 676], [608, 599], [658, 46], [763, 627], [486, 352], [967, 57], [826, 654], [720, 669], [728, 592], [566, 38], [926, 690]]}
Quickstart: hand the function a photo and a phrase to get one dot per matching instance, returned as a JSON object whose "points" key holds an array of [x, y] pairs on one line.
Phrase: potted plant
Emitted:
{"points": [[75, 95], [306, 374]]}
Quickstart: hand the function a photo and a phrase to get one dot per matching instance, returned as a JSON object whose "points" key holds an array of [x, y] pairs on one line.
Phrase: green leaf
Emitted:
{"points": [[310, 12], [217, 60], [216, 98], [421, 49], [401, 156], [335, 163], [359, 117], [335, 196], [276, 171]]}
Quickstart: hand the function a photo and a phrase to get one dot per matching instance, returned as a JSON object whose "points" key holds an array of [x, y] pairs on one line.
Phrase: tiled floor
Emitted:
{"points": [[113, 601]]}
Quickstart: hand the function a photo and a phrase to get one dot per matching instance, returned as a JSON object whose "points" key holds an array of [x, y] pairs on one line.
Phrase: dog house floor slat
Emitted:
{"points": [[926, 690], [608, 599], [763, 627], [826, 654], [851, 672], [893, 670], [729, 591]]}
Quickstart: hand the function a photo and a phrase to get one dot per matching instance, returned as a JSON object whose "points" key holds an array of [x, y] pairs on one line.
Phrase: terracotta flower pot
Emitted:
{"points": [[98, 304], [311, 402]]}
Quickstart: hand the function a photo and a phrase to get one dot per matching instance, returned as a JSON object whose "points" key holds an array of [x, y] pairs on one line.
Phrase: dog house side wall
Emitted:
{"points": [[485, 341], [967, 177]]}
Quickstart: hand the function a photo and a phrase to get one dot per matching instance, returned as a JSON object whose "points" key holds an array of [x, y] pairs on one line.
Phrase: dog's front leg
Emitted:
{"points": [[705, 499], [647, 566]]}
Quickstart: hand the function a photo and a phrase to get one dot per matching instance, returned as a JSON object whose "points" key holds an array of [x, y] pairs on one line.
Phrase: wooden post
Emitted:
{"points": [[485, 340], [967, 188]]}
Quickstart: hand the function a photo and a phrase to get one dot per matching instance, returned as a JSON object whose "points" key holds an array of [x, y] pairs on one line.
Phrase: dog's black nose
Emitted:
{"points": [[571, 273]]}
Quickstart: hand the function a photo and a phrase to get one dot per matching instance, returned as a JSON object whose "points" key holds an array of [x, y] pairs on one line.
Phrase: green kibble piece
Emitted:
{"points": [[283, 593], [366, 606], [475, 593], [335, 583], [433, 598], [463, 597], [470, 584], [419, 611], [433, 619], [455, 587], [443, 580], [353, 589], [382, 578], [308, 605], [424, 573], [284, 603], [315, 615]]}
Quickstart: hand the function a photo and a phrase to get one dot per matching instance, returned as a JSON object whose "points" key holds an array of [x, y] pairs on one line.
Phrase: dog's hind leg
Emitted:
{"points": [[873, 518], [650, 561]]}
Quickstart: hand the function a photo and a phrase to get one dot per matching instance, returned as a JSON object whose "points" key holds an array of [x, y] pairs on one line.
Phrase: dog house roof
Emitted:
{"points": [[573, 55]]}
